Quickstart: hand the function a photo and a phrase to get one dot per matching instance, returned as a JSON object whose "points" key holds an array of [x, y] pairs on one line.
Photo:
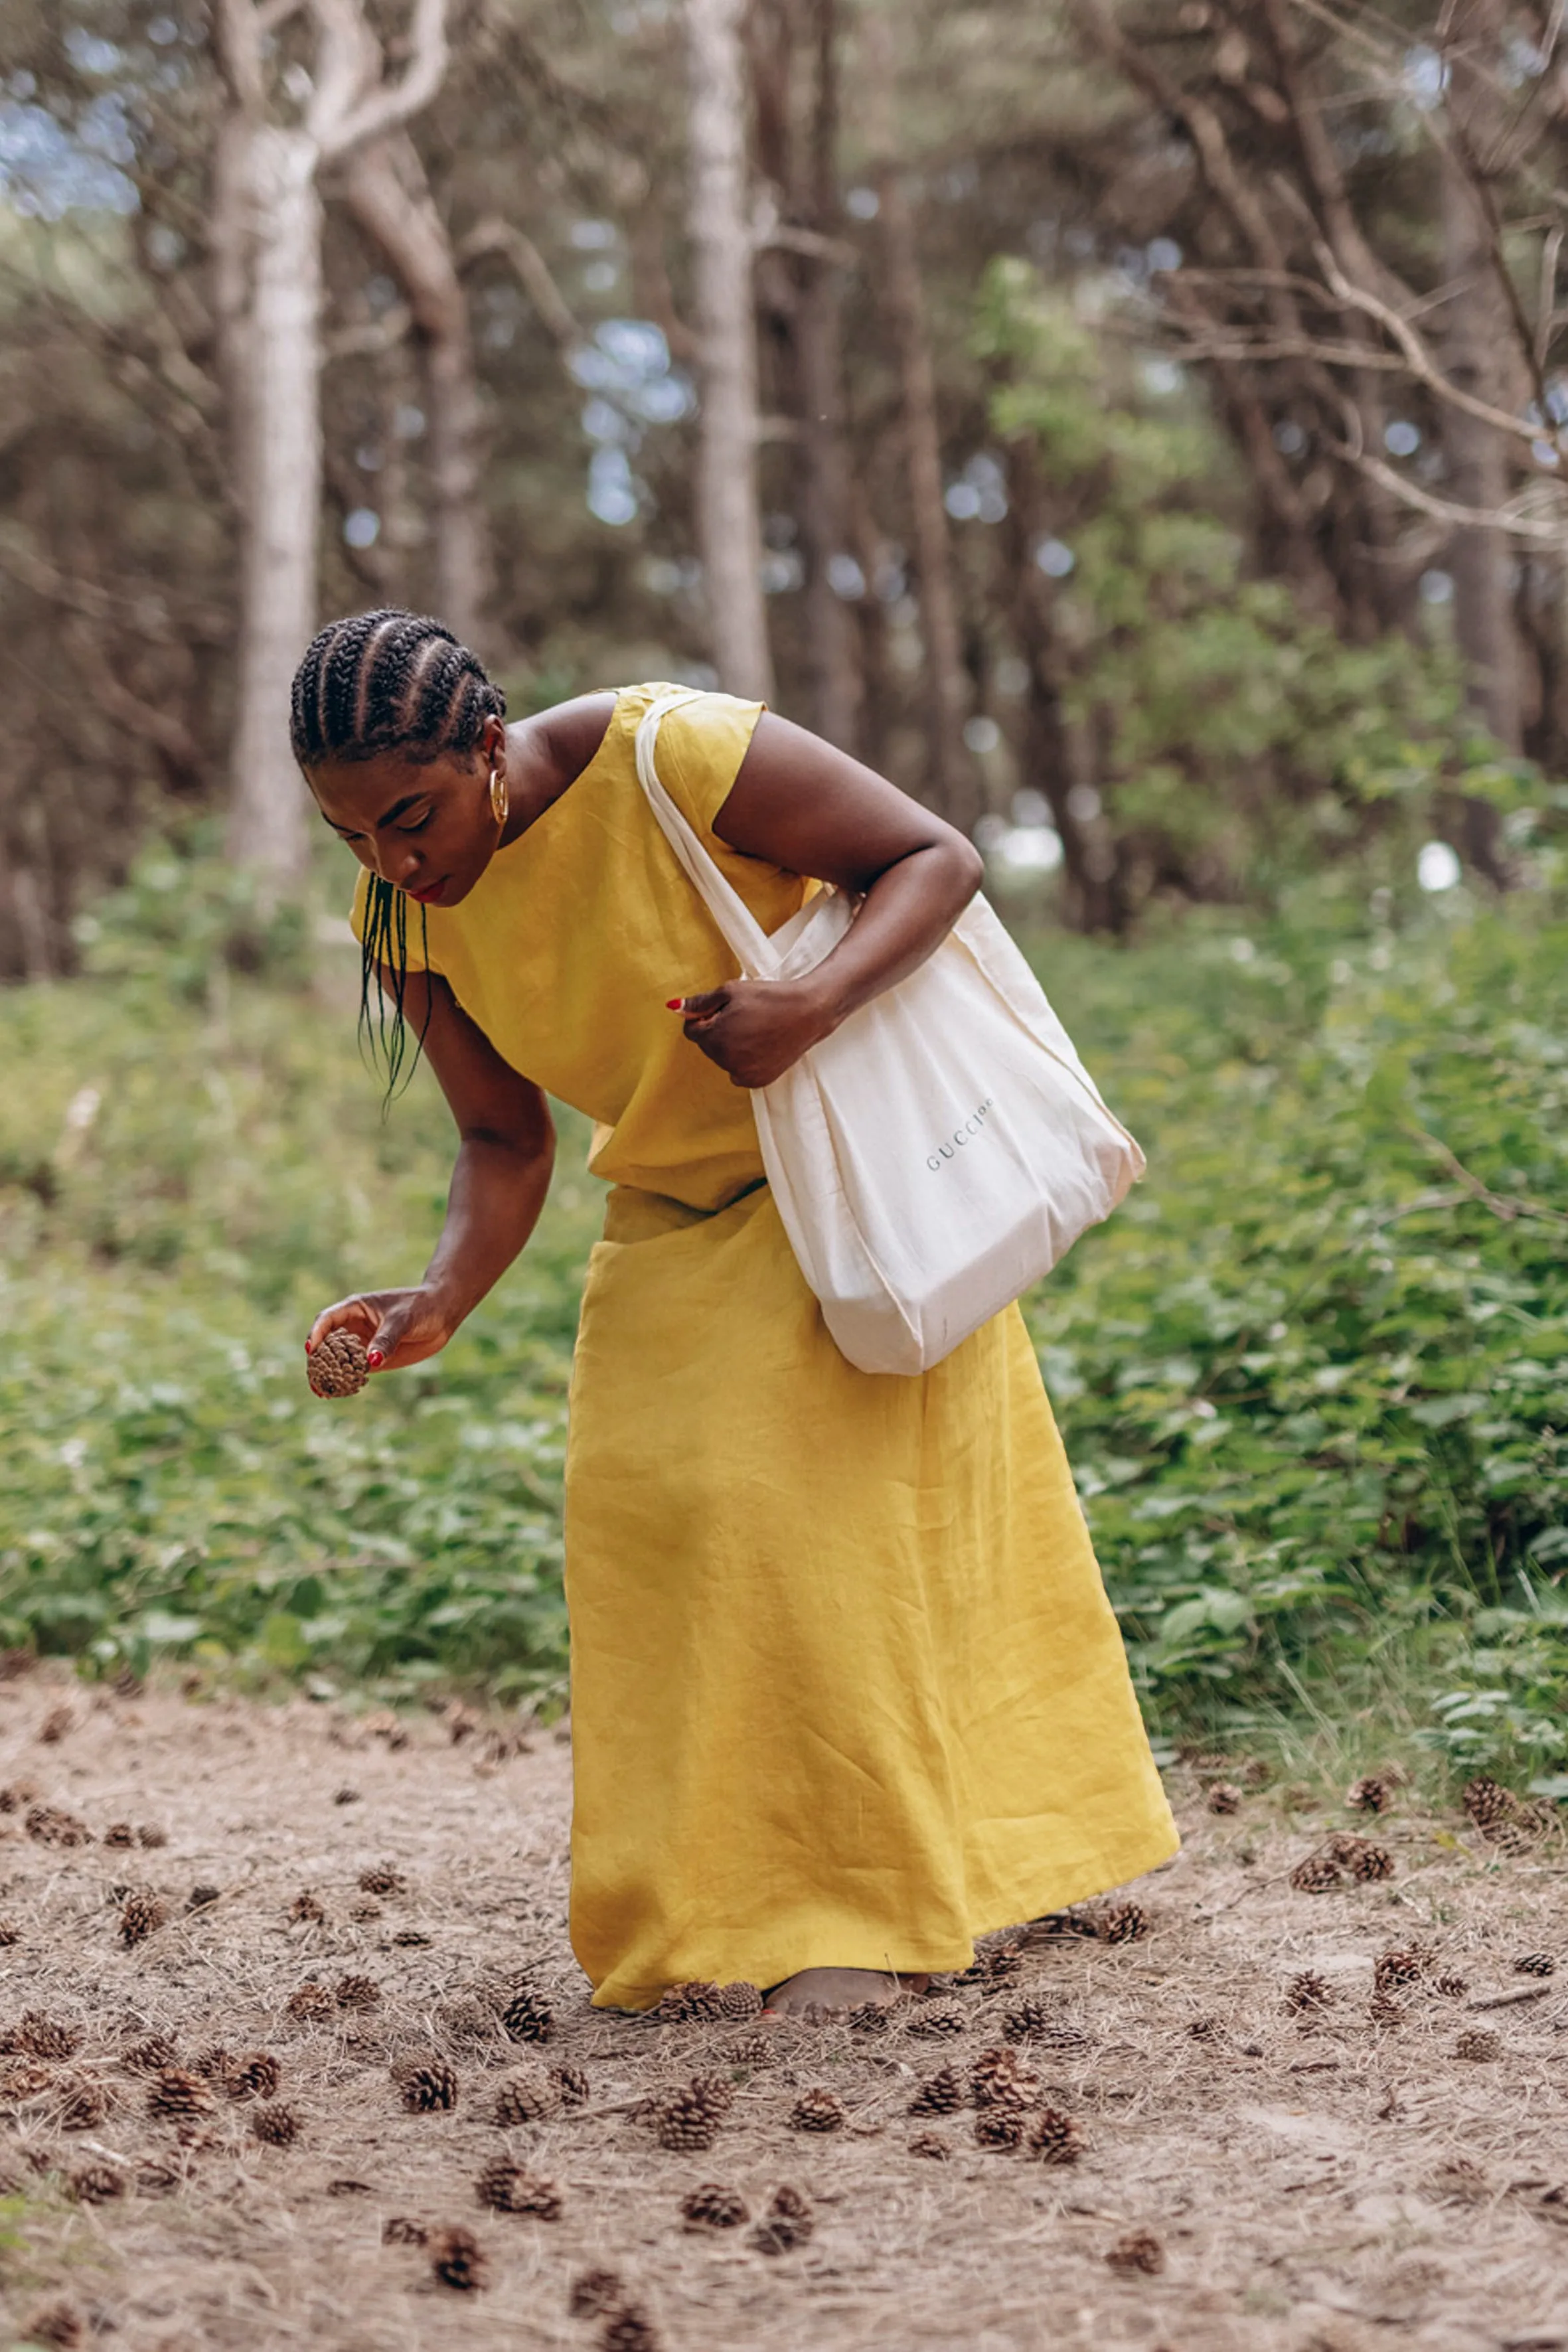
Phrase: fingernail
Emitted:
{"points": [[306, 1347], [375, 1359], [673, 1003]]}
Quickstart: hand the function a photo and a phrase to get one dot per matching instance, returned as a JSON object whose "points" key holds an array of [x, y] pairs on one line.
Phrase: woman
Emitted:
{"points": [[846, 1688]]}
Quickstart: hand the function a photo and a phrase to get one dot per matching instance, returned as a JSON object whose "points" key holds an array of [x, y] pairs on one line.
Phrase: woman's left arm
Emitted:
{"points": [[799, 803]]}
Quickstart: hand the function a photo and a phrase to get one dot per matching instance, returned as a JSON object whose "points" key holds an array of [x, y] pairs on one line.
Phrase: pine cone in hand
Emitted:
{"points": [[338, 1366]]}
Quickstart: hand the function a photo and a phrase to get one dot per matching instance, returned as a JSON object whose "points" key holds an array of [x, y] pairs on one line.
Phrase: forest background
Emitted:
{"points": [[1136, 425]]}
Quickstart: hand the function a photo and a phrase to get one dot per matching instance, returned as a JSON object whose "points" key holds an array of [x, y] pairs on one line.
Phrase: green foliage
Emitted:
{"points": [[185, 915], [1235, 738], [1311, 1376]]}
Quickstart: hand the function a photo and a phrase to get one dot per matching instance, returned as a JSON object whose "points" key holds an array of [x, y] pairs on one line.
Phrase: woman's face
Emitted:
{"points": [[425, 826]]}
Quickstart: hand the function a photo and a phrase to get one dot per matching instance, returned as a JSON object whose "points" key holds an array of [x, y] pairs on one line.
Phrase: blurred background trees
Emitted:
{"points": [[1135, 424]]}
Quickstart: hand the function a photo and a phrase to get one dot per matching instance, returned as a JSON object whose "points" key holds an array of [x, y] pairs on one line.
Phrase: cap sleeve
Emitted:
{"points": [[700, 747]]}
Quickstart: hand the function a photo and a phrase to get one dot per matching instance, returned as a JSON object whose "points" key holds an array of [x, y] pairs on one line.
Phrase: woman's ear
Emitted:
{"points": [[492, 742]]}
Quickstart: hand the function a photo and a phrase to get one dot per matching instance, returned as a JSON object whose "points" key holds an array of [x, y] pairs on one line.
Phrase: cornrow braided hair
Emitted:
{"points": [[388, 681]]}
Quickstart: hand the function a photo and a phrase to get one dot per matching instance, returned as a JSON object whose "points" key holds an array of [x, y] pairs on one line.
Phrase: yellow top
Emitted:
{"points": [[568, 948]]}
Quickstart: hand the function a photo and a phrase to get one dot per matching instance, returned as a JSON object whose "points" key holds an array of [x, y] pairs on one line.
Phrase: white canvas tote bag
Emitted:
{"points": [[943, 1147]]}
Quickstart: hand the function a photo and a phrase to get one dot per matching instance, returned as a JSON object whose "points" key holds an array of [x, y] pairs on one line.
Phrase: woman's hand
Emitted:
{"points": [[398, 1326], [755, 1029]]}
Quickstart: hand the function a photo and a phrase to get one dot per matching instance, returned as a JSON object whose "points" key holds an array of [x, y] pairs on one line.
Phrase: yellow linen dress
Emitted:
{"points": [[845, 1687]]}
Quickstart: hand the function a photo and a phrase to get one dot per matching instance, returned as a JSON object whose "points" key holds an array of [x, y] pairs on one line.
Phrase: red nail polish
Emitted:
{"points": [[306, 1347], [673, 1003], [375, 1359]]}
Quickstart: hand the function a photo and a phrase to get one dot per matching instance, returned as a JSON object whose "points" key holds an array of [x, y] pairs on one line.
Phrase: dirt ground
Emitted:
{"points": [[1328, 2180]]}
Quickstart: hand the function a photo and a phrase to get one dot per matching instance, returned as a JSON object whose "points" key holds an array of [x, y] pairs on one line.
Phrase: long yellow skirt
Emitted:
{"points": [[845, 1687]]}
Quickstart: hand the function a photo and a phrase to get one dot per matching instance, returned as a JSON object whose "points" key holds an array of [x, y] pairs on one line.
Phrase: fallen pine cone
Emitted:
{"points": [[941, 2094], [689, 2116], [1308, 1991], [817, 2111], [629, 2329], [10, 1933], [96, 2184], [58, 2324], [304, 1907], [176, 2093], [140, 1914], [1478, 2044], [311, 2003], [151, 2055], [55, 1725], [1224, 1797], [999, 2128], [119, 1834], [1405, 1964], [525, 2099], [1140, 2250], [1370, 1794], [788, 2223], [357, 1993], [1055, 2137], [1535, 1964], [429, 2085], [87, 2103], [711, 2207], [527, 2016], [1122, 1923], [572, 2085], [506, 2187], [1316, 1873], [48, 1825], [690, 2003], [594, 2293], [998, 2078], [276, 2126], [255, 2076], [403, 2230], [932, 2146], [381, 1879], [43, 2036], [937, 2024], [457, 2259], [338, 1365], [740, 2000]]}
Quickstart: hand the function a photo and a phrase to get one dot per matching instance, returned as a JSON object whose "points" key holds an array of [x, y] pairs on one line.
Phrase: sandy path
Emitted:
{"points": [[1298, 2174]]}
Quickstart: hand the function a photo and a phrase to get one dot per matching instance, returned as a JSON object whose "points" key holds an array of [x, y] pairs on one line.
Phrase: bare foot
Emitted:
{"points": [[820, 1992]]}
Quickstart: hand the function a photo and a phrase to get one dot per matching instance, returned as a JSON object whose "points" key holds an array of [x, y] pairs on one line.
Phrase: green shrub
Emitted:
{"points": [[1312, 1376]]}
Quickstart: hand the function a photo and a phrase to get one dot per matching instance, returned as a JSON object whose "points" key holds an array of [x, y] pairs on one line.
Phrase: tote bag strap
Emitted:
{"points": [[743, 934]]}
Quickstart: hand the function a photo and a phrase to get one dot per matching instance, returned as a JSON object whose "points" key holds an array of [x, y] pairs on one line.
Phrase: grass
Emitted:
{"points": [[1311, 1376]]}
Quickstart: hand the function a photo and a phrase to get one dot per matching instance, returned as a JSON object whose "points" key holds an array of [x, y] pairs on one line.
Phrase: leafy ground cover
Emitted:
{"points": [[1313, 1377]]}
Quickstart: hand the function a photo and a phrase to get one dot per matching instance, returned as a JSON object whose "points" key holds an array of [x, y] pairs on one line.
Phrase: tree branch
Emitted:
{"points": [[498, 236], [393, 105]]}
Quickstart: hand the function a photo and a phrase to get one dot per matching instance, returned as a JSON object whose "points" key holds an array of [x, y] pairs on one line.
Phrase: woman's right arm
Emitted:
{"points": [[499, 1184]]}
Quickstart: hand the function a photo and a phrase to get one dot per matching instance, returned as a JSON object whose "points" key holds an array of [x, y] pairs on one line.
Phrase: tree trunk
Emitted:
{"points": [[834, 675], [729, 533], [1053, 759], [954, 785], [1477, 339], [281, 475], [390, 197]]}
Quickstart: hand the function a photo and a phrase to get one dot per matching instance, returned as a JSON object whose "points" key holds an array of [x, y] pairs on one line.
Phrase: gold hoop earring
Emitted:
{"points": [[500, 802]]}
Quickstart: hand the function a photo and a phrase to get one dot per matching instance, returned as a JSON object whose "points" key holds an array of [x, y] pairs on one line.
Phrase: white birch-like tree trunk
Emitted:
{"points": [[281, 471], [729, 530], [268, 271]]}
